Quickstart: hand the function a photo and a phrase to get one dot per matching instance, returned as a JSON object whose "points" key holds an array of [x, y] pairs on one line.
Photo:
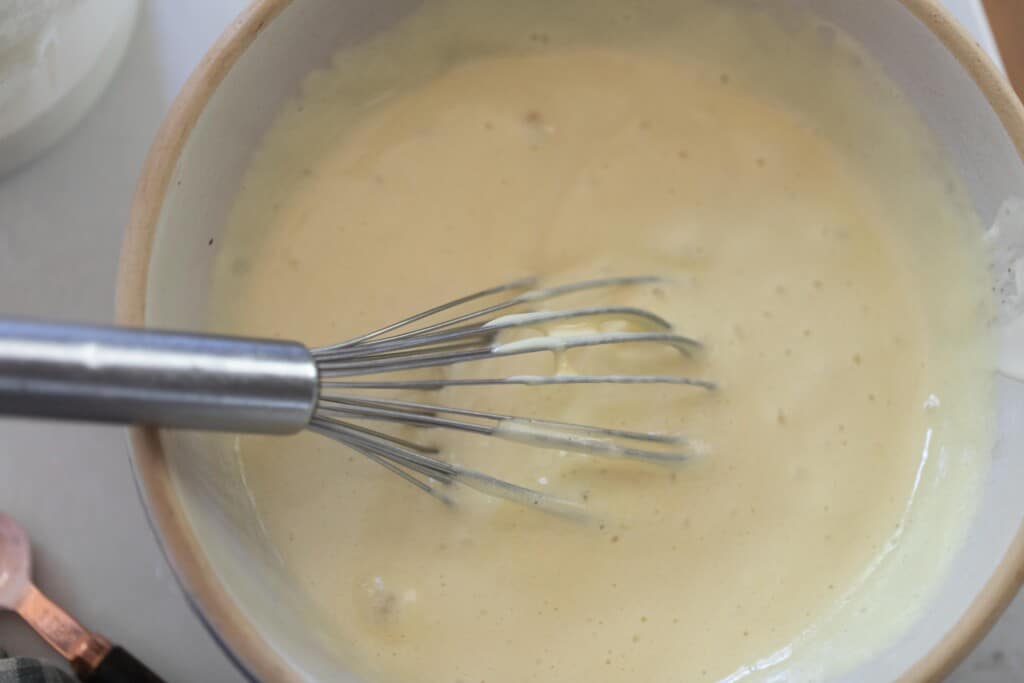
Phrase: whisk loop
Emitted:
{"points": [[473, 336]]}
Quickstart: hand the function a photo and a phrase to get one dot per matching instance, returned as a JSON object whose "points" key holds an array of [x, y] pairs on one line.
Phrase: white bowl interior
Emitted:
{"points": [[206, 180]]}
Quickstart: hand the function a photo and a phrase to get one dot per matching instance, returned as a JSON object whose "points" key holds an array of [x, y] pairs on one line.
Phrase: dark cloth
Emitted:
{"points": [[25, 670]]}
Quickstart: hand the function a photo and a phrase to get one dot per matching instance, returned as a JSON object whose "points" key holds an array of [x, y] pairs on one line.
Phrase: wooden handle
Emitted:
{"points": [[1007, 20]]}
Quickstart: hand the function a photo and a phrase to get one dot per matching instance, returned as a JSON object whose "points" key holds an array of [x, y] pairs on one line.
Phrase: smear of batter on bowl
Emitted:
{"points": [[815, 240]]}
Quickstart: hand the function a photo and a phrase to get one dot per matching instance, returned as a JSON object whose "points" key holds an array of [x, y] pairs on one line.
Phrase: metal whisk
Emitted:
{"points": [[171, 379]]}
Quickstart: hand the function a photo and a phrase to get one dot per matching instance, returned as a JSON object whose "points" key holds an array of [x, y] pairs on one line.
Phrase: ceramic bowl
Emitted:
{"points": [[194, 493]]}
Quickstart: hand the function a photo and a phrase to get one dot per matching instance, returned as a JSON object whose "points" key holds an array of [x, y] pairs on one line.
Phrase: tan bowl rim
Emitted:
{"points": [[207, 595]]}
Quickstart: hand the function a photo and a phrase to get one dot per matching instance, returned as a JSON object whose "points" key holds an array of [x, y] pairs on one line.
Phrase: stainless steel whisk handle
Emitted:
{"points": [[166, 379]]}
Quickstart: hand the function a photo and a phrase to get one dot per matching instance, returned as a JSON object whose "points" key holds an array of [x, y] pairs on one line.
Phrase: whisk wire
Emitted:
{"points": [[474, 336], [530, 296], [429, 409], [336, 366], [492, 329], [400, 461], [522, 283], [522, 380]]}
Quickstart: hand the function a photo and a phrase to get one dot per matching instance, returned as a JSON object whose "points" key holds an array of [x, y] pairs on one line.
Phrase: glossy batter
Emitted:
{"points": [[814, 240]]}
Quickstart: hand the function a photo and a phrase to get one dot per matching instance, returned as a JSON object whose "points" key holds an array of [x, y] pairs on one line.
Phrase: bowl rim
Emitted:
{"points": [[208, 597]]}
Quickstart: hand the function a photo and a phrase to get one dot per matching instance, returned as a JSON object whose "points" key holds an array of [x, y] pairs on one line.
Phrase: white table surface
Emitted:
{"points": [[61, 221]]}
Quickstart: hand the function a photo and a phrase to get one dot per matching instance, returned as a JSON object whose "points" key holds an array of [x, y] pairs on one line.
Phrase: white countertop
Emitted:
{"points": [[61, 221]]}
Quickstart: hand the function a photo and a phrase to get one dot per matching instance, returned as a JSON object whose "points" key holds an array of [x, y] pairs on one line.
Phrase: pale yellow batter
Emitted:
{"points": [[815, 242]]}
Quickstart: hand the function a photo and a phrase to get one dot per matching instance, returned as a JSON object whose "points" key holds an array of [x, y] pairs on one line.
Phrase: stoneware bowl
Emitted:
{"points": [[193, 489]]}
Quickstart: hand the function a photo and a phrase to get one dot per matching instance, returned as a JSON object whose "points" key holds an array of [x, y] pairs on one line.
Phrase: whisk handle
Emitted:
{"points": [[166, 379]]}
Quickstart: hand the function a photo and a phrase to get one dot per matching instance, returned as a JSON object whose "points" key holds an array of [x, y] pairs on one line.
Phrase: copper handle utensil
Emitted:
{"points": [[92, 657]]}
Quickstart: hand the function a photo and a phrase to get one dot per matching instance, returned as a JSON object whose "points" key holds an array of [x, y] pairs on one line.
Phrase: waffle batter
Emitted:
{"points": [[813, 238]]}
